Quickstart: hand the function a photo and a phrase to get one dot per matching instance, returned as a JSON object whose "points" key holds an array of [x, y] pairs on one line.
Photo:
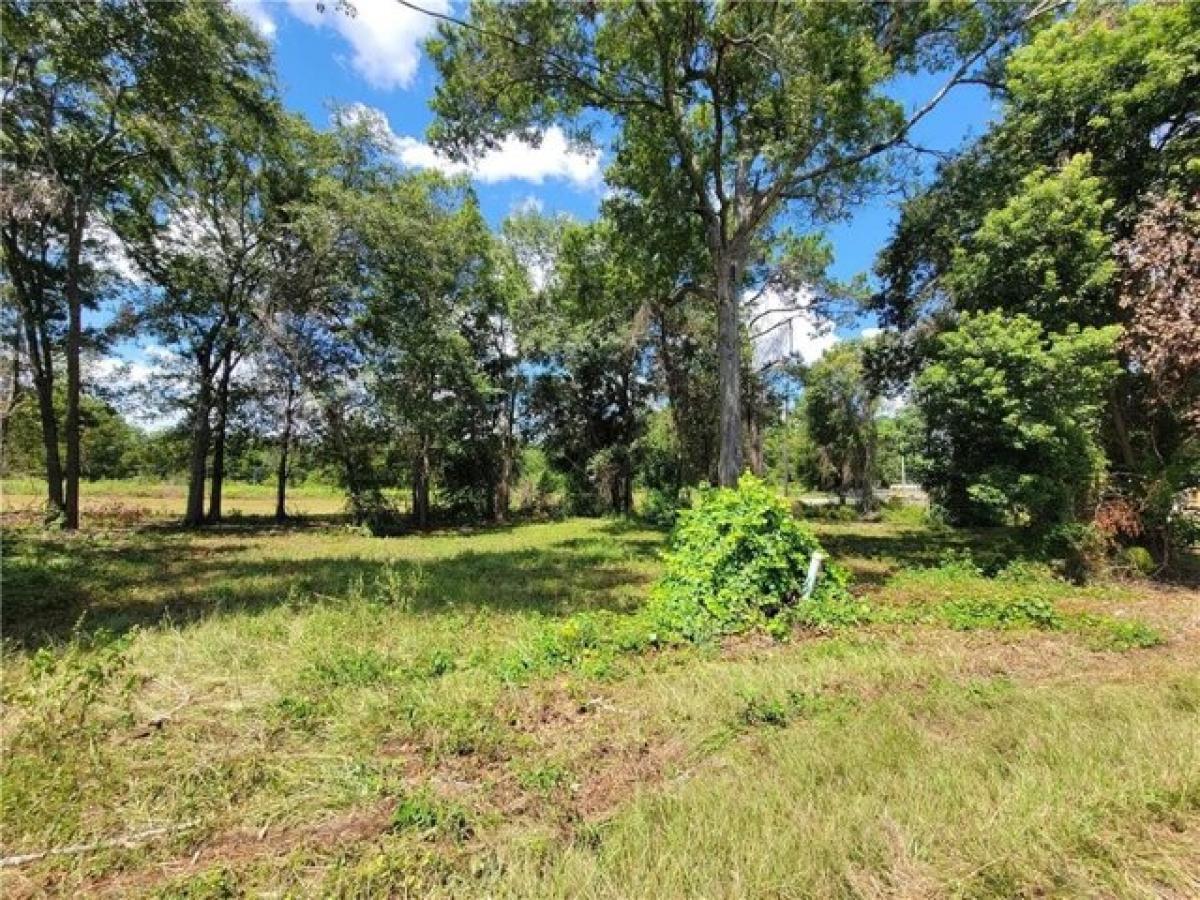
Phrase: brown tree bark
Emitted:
{"points": [[285, 439], [503, 490], [74, 386], [420, 486], [201, 437], [218, 444], [41, 367], [729, 374]]}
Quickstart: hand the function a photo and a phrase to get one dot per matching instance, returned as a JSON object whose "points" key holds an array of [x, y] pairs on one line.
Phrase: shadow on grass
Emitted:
{"points": [[875, 552], [56, 586]]}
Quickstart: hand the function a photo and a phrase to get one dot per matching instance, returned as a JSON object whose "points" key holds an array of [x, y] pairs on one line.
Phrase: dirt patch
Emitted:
{"points": [[243, 846]]}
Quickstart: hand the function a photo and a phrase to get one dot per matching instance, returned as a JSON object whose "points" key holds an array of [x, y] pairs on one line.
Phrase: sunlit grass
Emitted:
{"points": [[340, 714]]}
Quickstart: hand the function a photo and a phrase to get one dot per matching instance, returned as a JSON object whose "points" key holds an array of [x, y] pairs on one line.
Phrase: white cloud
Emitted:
{"points": [[514, 159], [140, 383], [785, 325], [868, 333], [528, 204], [105, 250], [260, 18], [385, 36]]}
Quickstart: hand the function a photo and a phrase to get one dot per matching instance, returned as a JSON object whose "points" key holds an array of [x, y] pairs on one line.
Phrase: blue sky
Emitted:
{"points": [[375, 59], [373, 62]]}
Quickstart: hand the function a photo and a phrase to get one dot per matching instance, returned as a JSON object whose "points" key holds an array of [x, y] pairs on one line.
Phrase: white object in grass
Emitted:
{"points": [[814, 572]]}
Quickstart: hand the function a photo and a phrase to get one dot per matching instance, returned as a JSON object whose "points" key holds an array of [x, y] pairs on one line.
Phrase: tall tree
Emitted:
{"points": [[763, 109], [201, 234], [588, 401], [94, 91]]}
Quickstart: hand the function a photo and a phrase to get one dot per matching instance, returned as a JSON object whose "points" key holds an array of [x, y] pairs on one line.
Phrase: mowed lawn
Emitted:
{"points": [[309, 711]]}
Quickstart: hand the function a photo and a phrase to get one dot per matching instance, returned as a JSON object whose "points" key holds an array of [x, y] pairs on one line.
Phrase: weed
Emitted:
{"points": [[1108, 633], [348, 667], [422, 812], [1026, 610], [543, 777]]}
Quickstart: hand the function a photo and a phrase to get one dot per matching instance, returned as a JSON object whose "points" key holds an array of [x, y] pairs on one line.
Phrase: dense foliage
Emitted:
{"points": [[738, 560], [1011, 414]]}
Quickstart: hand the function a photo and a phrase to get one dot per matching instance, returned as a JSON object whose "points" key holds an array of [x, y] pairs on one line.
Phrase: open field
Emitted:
{"points": [[130, 502], [458, 714]]}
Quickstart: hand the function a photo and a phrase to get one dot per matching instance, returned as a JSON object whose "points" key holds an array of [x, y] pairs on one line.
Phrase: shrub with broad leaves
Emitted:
{"points": [[738, 560]]}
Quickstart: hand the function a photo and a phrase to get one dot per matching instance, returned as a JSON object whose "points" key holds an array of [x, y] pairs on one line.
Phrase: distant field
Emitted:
{"points": [[312, 712], [129, 500]]}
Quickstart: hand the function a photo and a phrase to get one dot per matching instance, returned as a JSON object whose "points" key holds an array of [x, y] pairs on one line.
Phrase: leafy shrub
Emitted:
{"points": [[829, 512], [1024, 570], [737, 560], [1139, 560], [1107, 633], [1078, 548], [660, 507], [373, 512]]}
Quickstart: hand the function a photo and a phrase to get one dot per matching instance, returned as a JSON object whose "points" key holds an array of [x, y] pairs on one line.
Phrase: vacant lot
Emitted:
{"points": [[107, 503], [312, 711]]}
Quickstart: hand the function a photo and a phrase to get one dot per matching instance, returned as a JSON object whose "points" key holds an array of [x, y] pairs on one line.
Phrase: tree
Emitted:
{"points": [[33, 291], [1098, 120], [1012, 415], [738, 113], [840, 409], [94, 91], [901, 446], [1160, 293], [201, 235], [1045, 252], [588, 402]]}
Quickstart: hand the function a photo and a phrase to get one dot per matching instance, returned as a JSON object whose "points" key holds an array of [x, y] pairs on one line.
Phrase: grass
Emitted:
{"points": [[127, 502], [469, 714]]}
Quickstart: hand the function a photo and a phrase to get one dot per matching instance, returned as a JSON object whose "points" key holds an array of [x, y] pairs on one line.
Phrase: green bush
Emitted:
{"points": [[737, 561], [661, 507], [1079, 548], [1138, 560]]}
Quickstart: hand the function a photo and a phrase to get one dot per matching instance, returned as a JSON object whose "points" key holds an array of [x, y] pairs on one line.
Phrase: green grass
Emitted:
{"points": [[476, 714]]}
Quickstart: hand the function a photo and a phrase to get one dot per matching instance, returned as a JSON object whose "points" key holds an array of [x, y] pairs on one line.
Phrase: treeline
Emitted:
{"points": [[1038, 297]]}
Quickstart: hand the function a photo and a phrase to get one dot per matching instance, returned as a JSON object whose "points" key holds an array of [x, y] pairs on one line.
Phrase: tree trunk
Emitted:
{"points": [[284, 442], [201, 434], [755, 436], [729, 374], [420, 487], [41, 368], [74, 346], [218, 459], [503, 493], [1121, 430], [14, 382], [627, 488]]}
